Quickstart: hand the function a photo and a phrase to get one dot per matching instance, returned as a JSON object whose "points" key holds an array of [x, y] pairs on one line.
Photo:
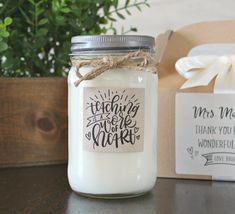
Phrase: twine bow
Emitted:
{"points": [[110, 62], [201, 70]]}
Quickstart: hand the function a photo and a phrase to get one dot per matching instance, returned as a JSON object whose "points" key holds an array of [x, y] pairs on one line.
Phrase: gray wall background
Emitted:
{"points": [[173, 14]]}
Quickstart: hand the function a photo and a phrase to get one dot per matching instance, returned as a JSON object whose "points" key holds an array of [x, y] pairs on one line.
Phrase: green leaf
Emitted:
{"points": [[39, 3], [32, 2], [112, 19], [138, 7], [3, 46], [7, 21], [39, 12], [147, 4], [120, 15], [128, 12], [115, 3], [134, 29], [127, 3], [42, 32], [103, 20], [4, 34], [59, 18], [65, 10], [43, 21], [60, 21]]}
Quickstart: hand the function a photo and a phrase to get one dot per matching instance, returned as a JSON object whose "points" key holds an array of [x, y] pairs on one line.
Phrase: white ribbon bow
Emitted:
{"points": [[200, 70]]}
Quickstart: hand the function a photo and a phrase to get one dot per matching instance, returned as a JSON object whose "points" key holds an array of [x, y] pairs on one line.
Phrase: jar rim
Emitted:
{"points": [[111, 43]]}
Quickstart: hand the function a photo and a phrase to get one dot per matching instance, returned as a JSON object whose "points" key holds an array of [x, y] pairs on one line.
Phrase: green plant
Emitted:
{"points": [[4, 34], [39, 40]]}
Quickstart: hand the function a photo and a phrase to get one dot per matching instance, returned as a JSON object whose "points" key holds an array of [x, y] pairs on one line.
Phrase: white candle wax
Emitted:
{"points": [[105, 173]]}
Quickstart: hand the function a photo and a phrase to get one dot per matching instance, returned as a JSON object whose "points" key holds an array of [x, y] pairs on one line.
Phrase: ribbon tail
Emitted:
{"points": [[225, 81]]}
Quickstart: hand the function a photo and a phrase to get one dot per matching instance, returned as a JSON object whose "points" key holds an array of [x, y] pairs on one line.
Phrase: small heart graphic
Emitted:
{"points": [[88, 136], [138, 137], [190, 150], [136, 129]]}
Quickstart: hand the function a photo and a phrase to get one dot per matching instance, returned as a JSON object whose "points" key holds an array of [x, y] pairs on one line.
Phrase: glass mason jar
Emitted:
{"points": [[112, 117]]}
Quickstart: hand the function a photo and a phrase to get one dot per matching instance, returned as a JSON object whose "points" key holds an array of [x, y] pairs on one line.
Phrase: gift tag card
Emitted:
{"points": [[205, 134]]}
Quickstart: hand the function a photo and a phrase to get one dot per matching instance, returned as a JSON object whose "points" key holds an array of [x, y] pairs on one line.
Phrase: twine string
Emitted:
{"points": [[109, 62]]}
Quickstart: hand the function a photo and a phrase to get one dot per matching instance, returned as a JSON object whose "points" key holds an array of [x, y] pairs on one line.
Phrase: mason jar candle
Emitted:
{"points": [[112, 92]]}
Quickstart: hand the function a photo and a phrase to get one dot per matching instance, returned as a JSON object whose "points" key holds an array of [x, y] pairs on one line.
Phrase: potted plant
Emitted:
{"points": [[35, 42]]}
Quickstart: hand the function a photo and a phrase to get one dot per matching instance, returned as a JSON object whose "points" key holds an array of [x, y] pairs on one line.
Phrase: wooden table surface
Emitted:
{"points": [[46, 190]]}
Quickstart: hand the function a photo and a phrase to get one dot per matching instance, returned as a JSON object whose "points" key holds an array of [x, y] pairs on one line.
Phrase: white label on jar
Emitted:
{"points": [[113, 119], [205, 134]]}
